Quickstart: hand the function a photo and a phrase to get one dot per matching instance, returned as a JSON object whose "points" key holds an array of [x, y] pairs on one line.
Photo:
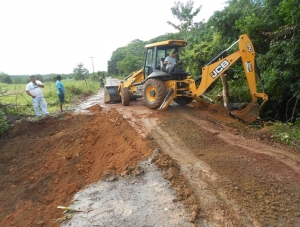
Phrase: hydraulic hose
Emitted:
{"points": [[222, 54]]}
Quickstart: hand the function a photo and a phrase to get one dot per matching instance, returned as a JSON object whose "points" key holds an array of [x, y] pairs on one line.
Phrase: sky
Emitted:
{"points": [[54, 36]]}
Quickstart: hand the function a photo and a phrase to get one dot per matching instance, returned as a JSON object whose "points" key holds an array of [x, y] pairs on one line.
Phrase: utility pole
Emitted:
{"points": [[93, 67]]}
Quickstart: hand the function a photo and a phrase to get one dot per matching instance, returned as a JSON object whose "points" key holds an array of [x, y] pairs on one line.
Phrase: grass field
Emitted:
{"points": [[15, 94]]}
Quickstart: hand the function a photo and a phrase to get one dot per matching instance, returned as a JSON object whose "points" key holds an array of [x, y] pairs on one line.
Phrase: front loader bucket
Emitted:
{"points": [[249, 113], [111, 93]]}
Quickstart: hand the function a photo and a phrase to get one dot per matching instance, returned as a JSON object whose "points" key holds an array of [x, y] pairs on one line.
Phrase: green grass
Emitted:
{"points": [[21, 103], [288, 133]]}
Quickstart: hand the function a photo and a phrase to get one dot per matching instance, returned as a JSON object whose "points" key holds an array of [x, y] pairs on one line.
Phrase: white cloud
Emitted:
{"points": [[52, 36]]}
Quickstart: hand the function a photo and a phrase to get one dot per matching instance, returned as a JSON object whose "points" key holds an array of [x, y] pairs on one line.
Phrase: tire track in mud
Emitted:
{"points": [[202, 178], [287, 158], [259, 182]]}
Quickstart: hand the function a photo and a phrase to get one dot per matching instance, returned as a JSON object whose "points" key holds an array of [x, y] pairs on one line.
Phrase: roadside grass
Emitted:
{"points": [[15, 101], [287, 132]]}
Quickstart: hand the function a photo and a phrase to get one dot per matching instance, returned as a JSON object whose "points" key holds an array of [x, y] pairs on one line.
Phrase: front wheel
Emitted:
{"points": [[125, 96], [154, 93]]}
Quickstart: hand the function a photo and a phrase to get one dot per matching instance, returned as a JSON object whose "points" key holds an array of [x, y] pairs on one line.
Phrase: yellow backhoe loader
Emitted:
{"points": [[159, 88]]}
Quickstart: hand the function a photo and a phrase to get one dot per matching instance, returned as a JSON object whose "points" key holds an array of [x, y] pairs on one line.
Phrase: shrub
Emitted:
{"points": [[3, 122]]}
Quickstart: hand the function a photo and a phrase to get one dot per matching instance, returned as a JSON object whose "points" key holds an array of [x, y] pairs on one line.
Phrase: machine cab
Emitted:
{"points": [[155, 55]]}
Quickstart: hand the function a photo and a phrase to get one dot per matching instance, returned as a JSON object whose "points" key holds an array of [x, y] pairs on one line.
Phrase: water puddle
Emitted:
{"points": [[145, 199]]}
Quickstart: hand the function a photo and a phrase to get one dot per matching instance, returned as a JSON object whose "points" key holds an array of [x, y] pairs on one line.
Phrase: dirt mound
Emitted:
{"points": [[43, 163]]}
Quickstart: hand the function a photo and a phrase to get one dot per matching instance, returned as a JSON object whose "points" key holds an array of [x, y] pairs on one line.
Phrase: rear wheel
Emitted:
{"points": [[154, 93], [181, 100], [125, 96]]}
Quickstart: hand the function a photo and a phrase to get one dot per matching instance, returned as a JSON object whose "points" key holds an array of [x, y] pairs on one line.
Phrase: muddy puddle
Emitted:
{"points": [[91, 101], [143, 199]]}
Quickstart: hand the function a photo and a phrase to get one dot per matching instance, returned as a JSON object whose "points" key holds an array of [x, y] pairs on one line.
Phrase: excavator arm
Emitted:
{"points": [[212, 71]]}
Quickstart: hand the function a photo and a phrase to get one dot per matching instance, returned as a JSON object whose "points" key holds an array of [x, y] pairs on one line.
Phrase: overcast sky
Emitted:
{"points": [[53, 36]]}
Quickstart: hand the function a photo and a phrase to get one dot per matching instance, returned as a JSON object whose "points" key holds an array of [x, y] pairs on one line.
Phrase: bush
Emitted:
{"points": [[74, 90], [288, 133], [3, 122]]}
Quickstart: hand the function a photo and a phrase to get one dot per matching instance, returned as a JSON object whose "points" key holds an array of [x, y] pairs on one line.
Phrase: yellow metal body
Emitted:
{"points": [[135, 78], [180, 43]]}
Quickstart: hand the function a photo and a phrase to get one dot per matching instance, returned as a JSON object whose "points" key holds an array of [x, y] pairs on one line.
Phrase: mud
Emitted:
{"points": [[213, 170], [143, 198]]}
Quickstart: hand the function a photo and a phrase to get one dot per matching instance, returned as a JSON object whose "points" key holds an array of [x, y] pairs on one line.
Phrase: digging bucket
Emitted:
{"points": [[249, 114]]}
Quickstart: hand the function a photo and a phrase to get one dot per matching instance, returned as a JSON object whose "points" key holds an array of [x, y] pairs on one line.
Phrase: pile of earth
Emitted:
{"points": [[43, 163]]}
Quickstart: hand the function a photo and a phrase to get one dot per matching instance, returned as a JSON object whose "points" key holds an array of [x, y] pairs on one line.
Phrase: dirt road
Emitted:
{"points": [[224, 172], [238, 175]]}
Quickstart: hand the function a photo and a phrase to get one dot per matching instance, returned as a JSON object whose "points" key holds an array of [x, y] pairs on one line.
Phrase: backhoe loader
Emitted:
{"points": [[159, 88]]}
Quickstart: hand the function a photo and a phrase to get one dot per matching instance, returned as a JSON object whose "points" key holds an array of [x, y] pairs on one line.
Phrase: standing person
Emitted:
{"points": [[101, 82], [34, 89], [171, 63], [60, 92]]}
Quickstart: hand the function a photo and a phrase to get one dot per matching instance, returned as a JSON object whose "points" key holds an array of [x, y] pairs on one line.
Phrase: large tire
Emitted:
{"points": [[154, 93], [125, 96], [181, 100]]}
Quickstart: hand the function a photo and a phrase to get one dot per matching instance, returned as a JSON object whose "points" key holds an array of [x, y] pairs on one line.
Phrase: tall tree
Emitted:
{"points": [[80, 73], [112, 65], [185, 14], [283, 59], [133, 59], [127, 59]]}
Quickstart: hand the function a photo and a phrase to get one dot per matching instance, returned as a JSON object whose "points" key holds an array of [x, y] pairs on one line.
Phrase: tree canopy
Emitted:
{"points": [[185, 14]]}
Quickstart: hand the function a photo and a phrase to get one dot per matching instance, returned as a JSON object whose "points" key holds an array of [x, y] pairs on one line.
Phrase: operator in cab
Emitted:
{"points": [[171, 63]]}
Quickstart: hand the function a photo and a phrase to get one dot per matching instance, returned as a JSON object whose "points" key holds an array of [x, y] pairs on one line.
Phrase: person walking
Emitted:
{"points": [[60, 92], [34, 90]]}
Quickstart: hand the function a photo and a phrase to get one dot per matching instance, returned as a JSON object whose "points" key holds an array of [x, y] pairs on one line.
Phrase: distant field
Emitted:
{"points": [[15, 93]]}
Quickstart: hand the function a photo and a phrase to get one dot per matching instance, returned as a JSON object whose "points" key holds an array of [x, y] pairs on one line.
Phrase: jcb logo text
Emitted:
{"points": [[219, 69]]}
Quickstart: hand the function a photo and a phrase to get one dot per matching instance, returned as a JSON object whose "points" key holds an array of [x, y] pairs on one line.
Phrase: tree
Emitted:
{"points": [[80, 73], [112, 65], [164, 37], [281, 62], [4, 78], [102, 74], [133, 57], [128, 59], [185, 15]]}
